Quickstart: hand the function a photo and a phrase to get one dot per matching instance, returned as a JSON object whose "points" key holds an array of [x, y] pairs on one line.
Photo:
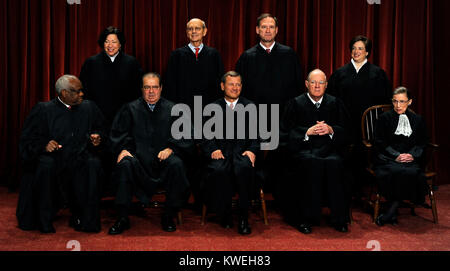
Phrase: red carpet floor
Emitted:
{"points": [[412, 234]]}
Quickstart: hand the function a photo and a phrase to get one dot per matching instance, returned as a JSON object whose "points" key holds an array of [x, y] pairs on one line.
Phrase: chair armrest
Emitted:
{"points": [[433, 145], [367, 144]]}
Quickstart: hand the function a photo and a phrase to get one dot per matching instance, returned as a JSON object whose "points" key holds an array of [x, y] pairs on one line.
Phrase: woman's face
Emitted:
{"points": [[111, 44], [401, 103], [359, 53]]}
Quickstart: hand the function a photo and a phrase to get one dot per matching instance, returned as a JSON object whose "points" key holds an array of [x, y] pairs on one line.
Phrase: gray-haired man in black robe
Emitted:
{"points": [[314, 131], [58, 145]]}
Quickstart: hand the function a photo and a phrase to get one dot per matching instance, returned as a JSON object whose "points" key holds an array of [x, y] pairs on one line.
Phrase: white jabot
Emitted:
{"points": [[403, 127]]}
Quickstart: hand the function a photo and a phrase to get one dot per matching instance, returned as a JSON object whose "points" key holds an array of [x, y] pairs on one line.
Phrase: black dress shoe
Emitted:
{"points": [[304, 228], [120, 226], [394, 221], [75, 223], [168, 224], [244, 227], [227, 222], [341, 227], [47, 229], [380, 220]]}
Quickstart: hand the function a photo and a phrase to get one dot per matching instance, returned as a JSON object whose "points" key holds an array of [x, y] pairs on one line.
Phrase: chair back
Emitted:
{"points": [[369, 119]]}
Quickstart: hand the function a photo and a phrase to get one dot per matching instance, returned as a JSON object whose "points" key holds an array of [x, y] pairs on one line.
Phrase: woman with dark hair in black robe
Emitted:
{"points": [[360, 85], [400, 139]]}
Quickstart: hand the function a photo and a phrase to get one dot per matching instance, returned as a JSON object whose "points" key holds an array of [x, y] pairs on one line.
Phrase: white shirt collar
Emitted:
{"points": [[354, 64], [114, 56], [312, 100], [265, 48], [68, 106], [234, 103], [193, 47]]}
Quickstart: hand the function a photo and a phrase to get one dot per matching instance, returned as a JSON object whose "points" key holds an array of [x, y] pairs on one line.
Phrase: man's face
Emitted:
{"points": [[232, 87], [316, 85], [111, 44], [195, 31], [267, 30], [73, 95], [151, 90]]}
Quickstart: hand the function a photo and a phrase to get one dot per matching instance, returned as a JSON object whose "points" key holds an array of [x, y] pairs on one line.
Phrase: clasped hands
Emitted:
{"points": [[404, 158], [321, 128], [217, 154], [52, 145]]}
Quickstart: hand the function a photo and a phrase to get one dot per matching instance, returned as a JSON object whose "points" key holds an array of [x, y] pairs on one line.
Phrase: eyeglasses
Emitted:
{"points": [[190, 29], [399, 102], [151, 87], [321, 82]]}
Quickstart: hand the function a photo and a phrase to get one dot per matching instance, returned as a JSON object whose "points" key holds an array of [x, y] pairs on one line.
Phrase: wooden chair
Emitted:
{"points": [[368, 120]]}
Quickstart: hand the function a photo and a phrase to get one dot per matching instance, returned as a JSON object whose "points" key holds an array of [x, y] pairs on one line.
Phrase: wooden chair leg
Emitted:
{"points": [[433, 205], [376, 209], [263, 206], [203, 214], [350, 210], [179, 218]]}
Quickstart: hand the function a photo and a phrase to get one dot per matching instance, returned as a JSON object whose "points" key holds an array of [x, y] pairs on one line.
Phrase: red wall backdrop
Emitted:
{"points": [[42, 39]]}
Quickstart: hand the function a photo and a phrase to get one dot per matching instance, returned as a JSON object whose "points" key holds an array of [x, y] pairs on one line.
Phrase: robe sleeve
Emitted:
{"points": [[421, 139], [184, 147], [120, 136], [292, 136], [387, 87], [35, 135], [170, 78], [341, 127], [84, 78], [99, 126]]}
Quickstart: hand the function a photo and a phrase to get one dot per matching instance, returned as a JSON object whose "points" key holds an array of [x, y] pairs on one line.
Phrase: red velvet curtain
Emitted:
{"points": [[42, 39]]}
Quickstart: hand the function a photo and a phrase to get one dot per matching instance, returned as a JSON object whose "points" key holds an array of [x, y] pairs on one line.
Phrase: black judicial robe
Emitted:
{"points": [[231, 146], [235, 172], [270, 78], [187, 76], [144, 133], [370, 86], [71, 129], [400, 181], [111, 84], [317, 163]]}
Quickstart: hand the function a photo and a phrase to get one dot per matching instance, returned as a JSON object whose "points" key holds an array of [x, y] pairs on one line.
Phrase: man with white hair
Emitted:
{"points": [[58, 147], [315, 131]]}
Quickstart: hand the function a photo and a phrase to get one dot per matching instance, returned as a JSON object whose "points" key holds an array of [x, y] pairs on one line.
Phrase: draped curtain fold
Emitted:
{"points": [[41, 40]]}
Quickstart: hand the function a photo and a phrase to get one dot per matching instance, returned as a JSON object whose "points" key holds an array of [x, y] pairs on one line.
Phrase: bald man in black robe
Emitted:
{"points": [[59, 145], [314, 131]]}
